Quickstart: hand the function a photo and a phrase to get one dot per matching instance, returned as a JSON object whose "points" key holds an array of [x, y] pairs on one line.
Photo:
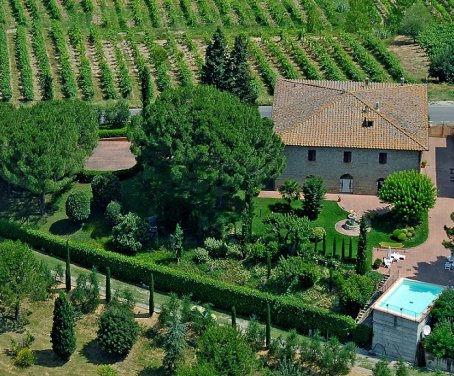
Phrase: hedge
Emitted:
{"points": [[287, 312], [86, 176], [116, 132]]}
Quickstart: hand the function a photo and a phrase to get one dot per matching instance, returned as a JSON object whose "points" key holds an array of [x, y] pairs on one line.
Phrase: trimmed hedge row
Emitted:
{"points": [[86, 176], [116, 132], [287, 312]]}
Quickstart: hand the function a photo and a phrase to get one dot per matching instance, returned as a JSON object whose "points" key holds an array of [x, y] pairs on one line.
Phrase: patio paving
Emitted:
{"points": [[111, 155]]}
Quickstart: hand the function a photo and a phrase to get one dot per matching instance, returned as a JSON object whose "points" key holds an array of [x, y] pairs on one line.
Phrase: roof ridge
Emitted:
{"points": [[304, 82], [318, 111], [389, 121]]}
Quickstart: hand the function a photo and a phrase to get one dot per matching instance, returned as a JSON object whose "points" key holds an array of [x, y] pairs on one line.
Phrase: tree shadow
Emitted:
{"points": [[152, 371], [94, 355], [47, 358], [280, 207], [64, 227]]}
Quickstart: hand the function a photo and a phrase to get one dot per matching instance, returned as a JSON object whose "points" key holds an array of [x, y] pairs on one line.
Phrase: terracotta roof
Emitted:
{"points": [[332, 114]]}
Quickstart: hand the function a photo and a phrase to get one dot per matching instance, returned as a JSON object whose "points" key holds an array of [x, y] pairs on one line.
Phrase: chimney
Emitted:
{"points": [[402, 81], [366, 81], [377, 106]]}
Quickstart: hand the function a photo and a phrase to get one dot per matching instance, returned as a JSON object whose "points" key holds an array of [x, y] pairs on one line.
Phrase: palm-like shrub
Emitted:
{"points": [[290, 190]]}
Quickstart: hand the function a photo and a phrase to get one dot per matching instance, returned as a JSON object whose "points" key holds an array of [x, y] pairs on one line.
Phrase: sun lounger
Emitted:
{"points": [[387, 261], [398, 256]]}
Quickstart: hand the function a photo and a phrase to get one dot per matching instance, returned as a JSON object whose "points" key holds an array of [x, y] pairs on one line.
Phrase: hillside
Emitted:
{"points": [[95, 49]]}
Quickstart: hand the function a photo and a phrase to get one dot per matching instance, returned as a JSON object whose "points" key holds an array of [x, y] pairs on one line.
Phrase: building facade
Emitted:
{"points": [[352, 134]]}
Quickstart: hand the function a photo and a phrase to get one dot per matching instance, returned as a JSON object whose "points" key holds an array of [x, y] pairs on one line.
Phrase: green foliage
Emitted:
{"points": [[224, 348], [401, 368], [21, 276], [363, 260], [214, 69], [106, 370], [63, 336], [220, 294], [117, 115], [362, 335], [105, 188], [151, 295], [129, 233], [268, 325], [355, 291], [201, 255], [174, 343], [23, 62], [68, 268], [411, 193], [52, 162], [85, 296], [295, 273], [5, 83], [176, 242], [381, 369], [444, 306], [242, 153], [25, 358], [441, 341], [416, 18], [113, 213], [118, 331], [24, 342], [255, 334], [336, 359], [78, 206], [108, 286], [442, 65], [290, 190], [314, 191]]}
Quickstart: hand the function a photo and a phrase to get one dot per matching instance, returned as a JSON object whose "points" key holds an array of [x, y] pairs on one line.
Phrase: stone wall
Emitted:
{"points": [[395, 336], [329, 164]]}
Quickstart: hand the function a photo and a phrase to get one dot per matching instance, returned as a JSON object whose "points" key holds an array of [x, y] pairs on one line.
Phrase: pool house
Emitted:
{"points": [[399, 318]]}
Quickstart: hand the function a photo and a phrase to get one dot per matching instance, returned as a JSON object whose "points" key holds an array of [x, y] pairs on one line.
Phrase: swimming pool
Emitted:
{"points": [[409, 298]]}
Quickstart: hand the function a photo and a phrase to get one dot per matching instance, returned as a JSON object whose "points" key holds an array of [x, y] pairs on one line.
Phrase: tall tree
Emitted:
{"points": [[174, 343], [234, 317], [63, 336], [238, 73], [46, 145], [108, 287], [268, 325], [21, 276], [363, 264], [214, 70], [68, 268], [205, 145], [177, 242], [416, 18], [314, 190], [343, 249], [151, 296], [350, 249]]}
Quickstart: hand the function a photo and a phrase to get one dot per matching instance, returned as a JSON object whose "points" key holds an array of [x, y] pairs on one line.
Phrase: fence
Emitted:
{"points": [[441, 130]]}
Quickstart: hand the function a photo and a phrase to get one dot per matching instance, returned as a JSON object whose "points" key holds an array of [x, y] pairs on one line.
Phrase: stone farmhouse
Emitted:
{"points": [[352, 134]]}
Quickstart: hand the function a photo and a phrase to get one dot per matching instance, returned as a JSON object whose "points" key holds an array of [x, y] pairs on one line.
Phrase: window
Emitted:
{"points": [[347, 156], [311, 155], [383, 158], [368, 123]]}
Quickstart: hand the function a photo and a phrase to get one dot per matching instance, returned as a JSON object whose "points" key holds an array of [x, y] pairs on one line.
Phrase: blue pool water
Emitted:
{"points": [[410, 298]]}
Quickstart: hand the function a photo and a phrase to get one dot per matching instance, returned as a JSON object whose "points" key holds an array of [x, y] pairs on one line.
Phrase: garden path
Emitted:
{"points": [[111, 155]]}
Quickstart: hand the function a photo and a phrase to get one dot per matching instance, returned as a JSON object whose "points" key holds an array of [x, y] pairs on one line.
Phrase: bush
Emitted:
{"points": [[362, 335], [129, 233], [113, 213], [25, 358], [201, 256], [256, 251], [402, 237], [118, 331], [294, 272], [78, 206], [255, 334], [106, 370], [317, 234], [105, 188], [215, 248], [377, 263], [222, 295], [116, 116], [355, 291], [397, 232], [85, 297], [234, 251]]}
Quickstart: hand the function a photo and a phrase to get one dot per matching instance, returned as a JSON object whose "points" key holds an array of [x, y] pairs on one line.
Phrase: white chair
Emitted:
{"points": [[387, 261], [448, 266]]}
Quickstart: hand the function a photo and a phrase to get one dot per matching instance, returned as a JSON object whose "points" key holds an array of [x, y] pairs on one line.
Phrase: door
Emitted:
{"points": [[379, 184], [346, 184]]}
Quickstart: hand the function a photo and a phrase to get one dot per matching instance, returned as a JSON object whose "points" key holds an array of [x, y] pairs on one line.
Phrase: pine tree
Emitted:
{"points": [[214, 69], [268, 325], [108, 288], [362, 262], [238, 73], [234, 317], [68, 268], [343, 249], [151, 295], [63, 336]]}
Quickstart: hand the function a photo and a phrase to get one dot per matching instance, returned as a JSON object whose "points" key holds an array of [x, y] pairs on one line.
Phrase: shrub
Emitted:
{"points": [[255, 334], [78, 206], [295, 272], [256, 251], [25, 358], [201, 256], [24, 342], [397, 232], [118, 331], [234, 251], [106, 370], [63, 335], [355, 291], [377, 263], [113, 213], [362, 335], [116, 116], [105, 188], [129, 233], [85, 297], [216, 248], [223, 295], [317, 234], [402, 237]]}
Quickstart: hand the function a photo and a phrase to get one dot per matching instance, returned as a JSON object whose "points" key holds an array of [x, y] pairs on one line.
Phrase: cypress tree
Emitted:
{"points": [[324, 244], [316, 246], [214, 69], [63, 336], [268, 266], [343, 249], [362, 261], [68, 268], [334, 247], [238, 73], [350, 249], [268, 326], [234, 317], [108, 288], [151, 296]]}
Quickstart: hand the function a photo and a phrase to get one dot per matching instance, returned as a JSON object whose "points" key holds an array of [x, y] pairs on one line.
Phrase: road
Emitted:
{"points": [[439, 112]]}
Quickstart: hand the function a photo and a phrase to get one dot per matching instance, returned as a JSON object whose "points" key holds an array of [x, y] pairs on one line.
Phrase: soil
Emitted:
{"points": [[413, 58]]}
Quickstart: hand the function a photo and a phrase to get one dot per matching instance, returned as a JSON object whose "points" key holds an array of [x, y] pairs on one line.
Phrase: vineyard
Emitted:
{"points": [[105, 49]]}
